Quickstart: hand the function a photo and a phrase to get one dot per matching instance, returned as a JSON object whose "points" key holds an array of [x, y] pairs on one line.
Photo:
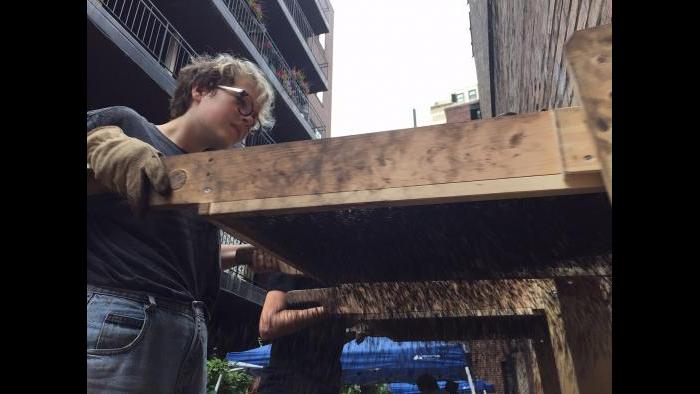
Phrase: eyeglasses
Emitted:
{"points": [[244, 102], [243, 99]]}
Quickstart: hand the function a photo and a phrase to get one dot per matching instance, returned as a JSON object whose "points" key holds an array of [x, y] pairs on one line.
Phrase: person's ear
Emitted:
{"points": [[197, 94]]}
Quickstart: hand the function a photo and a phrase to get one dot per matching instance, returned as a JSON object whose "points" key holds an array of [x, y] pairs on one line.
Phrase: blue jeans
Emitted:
{"points": [[140, 343]]}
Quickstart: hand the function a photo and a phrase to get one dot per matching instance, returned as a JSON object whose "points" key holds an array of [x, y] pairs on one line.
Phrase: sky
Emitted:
{"points": [[390, 56]]}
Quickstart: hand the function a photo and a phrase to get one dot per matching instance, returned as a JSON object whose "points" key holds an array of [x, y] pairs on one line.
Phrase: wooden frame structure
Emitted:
{"points": [[514, 157], [378, 302], [557, 152]]}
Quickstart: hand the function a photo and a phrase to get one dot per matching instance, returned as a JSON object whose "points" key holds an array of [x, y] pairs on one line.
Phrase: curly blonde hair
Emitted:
{"points": [[207, 72]]}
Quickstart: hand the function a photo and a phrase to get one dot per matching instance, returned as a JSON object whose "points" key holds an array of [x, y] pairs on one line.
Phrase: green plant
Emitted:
{"points": [[256, 8], [232, 382], [300, 78]]}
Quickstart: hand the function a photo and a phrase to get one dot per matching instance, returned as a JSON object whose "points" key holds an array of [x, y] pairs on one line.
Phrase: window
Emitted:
{"points": [[474, 111], [458, 98], [472, 94]]}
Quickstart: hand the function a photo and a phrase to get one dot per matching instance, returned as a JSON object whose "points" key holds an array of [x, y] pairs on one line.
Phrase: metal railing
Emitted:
{"points": [[153, 31], [239, 279], [325, 5], [242, 287], [261, 137], [318, 126], [309, 36], [262, 41]]}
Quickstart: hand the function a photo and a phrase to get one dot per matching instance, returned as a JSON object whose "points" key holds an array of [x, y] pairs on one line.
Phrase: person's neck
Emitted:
{"points": [[184, 132]]}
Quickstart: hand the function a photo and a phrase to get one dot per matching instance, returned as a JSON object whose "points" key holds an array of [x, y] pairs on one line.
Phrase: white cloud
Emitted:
{"points": [[390, 56]]}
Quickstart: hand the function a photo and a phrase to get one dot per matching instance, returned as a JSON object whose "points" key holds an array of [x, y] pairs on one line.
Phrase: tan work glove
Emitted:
{"points": [[126, 165]]}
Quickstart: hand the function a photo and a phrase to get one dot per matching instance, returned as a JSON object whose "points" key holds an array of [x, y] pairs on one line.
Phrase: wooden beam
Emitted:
{"points": [[452, 299], [517, 146], [578, 150], [390, 300], [522, 187], [587, 315], [589, 55], [530, 155], [510, 157]]}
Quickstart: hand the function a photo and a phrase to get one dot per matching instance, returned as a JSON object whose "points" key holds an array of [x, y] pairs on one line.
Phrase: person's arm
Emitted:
{"points": [[126, 165], [277, 321]]}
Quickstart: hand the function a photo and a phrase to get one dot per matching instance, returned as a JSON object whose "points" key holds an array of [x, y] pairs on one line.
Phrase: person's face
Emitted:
{"points": [[228, 113]]}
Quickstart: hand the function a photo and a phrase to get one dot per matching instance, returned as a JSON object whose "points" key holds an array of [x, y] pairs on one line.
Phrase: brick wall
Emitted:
{"points": [[486, 356]]}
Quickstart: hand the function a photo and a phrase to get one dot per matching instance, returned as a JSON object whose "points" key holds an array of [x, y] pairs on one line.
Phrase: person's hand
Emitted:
{"points": [[126, 165]]}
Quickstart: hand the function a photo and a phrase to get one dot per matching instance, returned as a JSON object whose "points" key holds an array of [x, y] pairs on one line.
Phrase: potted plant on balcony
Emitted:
{"points": [[256, 8], [300, 78], [283, 76], [266, 49]]}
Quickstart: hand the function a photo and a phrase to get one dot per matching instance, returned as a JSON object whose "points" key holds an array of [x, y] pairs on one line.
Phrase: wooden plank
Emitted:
{"points": [[535, 368], [587, 314], [558, 24], [594, 11], [578, 149], [605, 17], [561, 38], [541, 237], [580, 25], [589, 54], [558, 341], [392, 300], [562, 77], [546, 365], [523, 187], [516, 146], [544, 46]]}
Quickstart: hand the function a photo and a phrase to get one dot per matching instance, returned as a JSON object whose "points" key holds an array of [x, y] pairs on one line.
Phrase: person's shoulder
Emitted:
{"points": [[116, 112], [113, 116]]}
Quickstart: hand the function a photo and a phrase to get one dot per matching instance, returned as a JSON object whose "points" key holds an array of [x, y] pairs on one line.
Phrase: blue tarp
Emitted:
{"points": [[462, 387], [379, 360]]}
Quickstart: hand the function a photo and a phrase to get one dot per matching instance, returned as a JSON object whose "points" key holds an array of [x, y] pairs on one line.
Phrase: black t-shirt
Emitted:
{"points": [[306, 361], [170, 253]]}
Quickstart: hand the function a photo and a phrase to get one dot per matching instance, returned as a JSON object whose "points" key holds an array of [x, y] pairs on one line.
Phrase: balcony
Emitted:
{"points": [[315, 11], [153, 31], [147, 51], [293, 34], [214, 26], [272, 57], [133, 56]]}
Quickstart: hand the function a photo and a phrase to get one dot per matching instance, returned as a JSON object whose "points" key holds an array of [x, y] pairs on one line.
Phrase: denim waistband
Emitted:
{"points": [[189, 308]]}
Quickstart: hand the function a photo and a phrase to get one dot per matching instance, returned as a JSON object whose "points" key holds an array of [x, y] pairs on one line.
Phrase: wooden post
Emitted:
{"points": [[589, 56]]}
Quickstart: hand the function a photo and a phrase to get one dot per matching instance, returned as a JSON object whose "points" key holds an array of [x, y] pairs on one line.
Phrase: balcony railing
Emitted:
{"points": [[262, 41], [307, 32], [238, 279], [153, 31], [261, 137], [316, 120], [240, 286], [325, 6]]}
